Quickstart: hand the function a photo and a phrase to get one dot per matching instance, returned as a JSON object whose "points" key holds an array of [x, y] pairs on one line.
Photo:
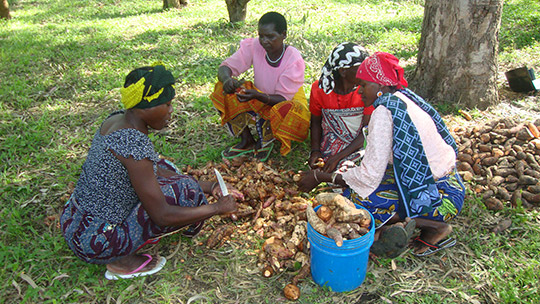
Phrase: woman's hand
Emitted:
{"points": [[331, 163], [314, 158], [307, 181], [248, 95], [230, 85], [226, 204], [216, 192]]}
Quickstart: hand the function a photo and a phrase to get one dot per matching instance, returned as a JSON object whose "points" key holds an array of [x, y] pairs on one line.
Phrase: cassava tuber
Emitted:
{"points": [[315, 221], [268, 271], [324, 213], [335, 235], [219, 236], [291, 292]]}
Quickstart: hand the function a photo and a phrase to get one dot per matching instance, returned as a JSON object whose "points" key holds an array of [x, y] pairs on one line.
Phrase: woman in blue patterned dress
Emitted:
{"points": [[126, 195]]}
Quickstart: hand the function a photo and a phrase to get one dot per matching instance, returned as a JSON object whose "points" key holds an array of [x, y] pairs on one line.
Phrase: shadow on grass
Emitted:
{"points": [[374, 2], [55, 9]]}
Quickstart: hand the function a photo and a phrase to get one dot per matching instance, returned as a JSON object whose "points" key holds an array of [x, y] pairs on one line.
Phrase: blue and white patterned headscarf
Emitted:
{"points": [[345, 55]]}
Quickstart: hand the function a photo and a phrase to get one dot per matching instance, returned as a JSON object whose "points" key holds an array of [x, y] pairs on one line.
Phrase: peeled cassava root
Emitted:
{"points": [[339, 219], [502, 159]]}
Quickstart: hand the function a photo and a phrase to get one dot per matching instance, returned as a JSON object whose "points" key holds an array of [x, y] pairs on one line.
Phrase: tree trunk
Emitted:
{"points": [[237, 10], [457, 57], [4, 10], [174, 3]]}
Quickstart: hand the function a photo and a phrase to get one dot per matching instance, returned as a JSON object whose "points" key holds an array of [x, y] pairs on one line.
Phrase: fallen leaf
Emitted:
{"points": [[28, 280], [502, 226]]}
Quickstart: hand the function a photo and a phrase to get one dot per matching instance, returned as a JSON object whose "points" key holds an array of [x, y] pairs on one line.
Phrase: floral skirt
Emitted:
{"points": [[95, 240], [340, 127], [383, 202]]}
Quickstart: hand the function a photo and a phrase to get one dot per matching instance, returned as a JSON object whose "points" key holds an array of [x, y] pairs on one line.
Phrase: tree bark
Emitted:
{"points": [[457, 57], [237, 10], [174, 3], [4, 10]]}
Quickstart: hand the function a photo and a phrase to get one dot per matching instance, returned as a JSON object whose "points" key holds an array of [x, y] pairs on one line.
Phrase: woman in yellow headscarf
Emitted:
{"points": [[126, 196]]}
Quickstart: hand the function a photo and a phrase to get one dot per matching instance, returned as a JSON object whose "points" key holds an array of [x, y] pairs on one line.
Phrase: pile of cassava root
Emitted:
{"points": [[501, 159], [338, 218]]}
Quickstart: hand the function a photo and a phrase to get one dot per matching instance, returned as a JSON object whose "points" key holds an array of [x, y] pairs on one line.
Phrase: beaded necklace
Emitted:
{"points": [[277, 60]]}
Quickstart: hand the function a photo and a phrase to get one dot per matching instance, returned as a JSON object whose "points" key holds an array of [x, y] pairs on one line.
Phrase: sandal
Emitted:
{"points": [[263, 153], [233, 152], [432, 248], [109, 275]]}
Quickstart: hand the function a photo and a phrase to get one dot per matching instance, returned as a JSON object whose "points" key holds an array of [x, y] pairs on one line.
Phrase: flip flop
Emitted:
{"points": [[263, 153], [237, 152], [392, 242], [109, 275], [446, 243]]}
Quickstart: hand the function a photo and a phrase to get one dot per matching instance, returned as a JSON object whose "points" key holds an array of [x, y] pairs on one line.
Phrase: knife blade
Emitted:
{"points": [[221, 182]]}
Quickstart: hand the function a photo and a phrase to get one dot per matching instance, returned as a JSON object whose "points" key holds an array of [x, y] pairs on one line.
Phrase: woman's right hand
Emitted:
{"points": [[307, 181], [227, 204], [230, 85], [314, 158]]}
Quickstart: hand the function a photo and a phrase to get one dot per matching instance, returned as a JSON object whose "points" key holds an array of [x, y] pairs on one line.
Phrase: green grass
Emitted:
{"points": [[62, 65]]}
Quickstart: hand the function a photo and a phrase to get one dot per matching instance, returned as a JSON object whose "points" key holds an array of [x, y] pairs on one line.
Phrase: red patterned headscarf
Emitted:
{"points": [[382, 68]]}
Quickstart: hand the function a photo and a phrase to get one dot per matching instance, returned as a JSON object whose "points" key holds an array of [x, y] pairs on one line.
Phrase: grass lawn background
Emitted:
{"points": [[62, 65]]}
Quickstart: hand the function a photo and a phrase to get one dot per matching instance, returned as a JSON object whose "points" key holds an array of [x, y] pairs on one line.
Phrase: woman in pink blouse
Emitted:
{"points": [[275, 103], [408, 170]]}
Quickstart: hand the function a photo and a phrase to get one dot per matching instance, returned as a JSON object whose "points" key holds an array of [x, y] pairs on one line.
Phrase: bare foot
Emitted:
{"points": [[432, 233], [246, 145], [128, 264], [247, 141]]}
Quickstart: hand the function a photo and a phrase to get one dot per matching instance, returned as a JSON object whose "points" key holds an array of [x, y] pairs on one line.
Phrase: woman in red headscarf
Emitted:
{"points": [[408, 170]]}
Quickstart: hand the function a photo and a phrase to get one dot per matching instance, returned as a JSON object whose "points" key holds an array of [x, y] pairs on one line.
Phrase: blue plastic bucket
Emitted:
{"points": [[340, 268]]}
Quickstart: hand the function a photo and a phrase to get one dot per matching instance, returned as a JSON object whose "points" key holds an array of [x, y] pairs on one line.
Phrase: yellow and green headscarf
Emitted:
{"points": [[148, 87]]}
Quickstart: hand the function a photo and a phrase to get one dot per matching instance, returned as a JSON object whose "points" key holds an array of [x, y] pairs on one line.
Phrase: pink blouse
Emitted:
{"points": [[285, 79], [366, 178]]}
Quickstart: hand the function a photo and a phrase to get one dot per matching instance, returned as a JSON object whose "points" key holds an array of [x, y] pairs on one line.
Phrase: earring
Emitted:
{"points": [[379, 94]]}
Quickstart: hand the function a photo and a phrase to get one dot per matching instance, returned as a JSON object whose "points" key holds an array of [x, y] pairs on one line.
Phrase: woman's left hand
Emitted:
{"points": [[331, 164], [307, 181], [247, 95], [216, 192]]}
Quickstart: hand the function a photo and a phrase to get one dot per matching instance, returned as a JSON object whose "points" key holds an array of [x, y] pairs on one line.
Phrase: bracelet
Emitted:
{"points": [[213, 186], [230, 78], [315, 150], [334, 175], [315, 176]]}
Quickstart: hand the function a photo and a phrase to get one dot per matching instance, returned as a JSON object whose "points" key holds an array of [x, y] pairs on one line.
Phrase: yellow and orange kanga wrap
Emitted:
{"points": [[289, 120]]}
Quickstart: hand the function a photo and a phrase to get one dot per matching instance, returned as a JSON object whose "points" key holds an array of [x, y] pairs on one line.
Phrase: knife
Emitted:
{"points": [[221, 182], [224, 190]]}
